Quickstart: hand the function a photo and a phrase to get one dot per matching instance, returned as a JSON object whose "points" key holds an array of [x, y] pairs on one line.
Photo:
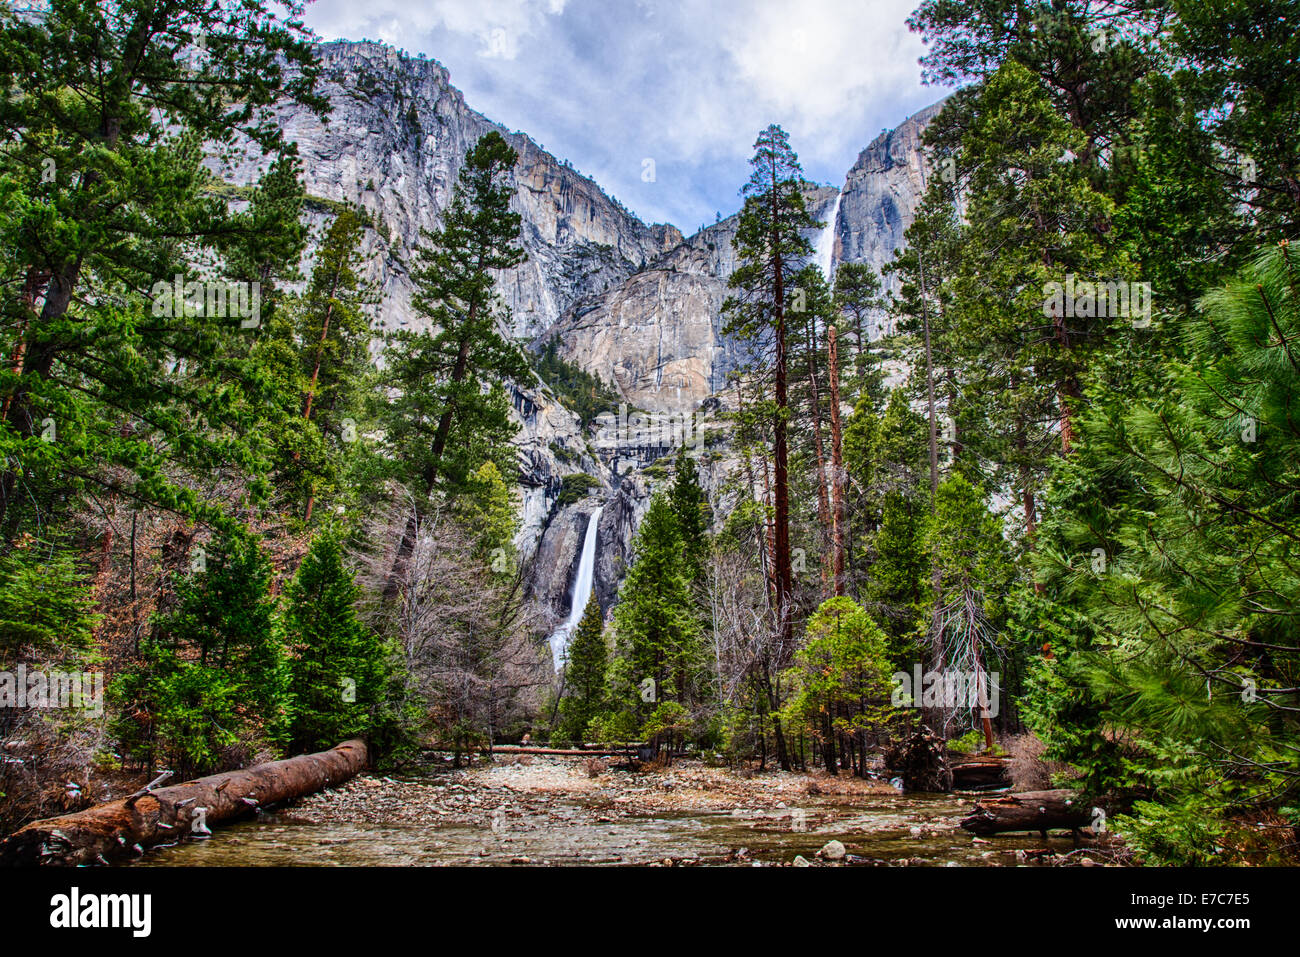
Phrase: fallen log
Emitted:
{"points": [[1029, 811], [169, 814], [500, 750], [980, 773]]}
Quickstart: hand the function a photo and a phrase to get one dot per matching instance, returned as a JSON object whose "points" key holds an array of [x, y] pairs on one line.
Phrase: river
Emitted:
{"points": [[551, 811]]}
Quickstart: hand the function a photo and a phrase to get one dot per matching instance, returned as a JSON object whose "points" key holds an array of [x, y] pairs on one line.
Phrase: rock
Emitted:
{"points": [[832, 851], [639, 305], [881, 192], [801, 861], [396, 138]]}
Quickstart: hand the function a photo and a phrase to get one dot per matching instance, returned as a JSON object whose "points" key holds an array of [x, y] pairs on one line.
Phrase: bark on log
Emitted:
{"points": [[504, 750], [165, 815], [1029, 811], [977, 773]]}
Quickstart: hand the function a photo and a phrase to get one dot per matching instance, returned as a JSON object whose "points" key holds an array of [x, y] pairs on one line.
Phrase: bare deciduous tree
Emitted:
{"points": [[470, 639]]}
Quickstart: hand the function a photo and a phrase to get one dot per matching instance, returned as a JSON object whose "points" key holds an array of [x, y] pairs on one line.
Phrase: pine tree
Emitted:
{"points": [[839, 677], [655, 620], [1172, 535], [339, 674], [442, 420], [858, 298], [973, 574], [586, 662], [46, 602], [770, 247], [488, 508], [690, 507], [213, 671], [318, 347], [106, 189]]}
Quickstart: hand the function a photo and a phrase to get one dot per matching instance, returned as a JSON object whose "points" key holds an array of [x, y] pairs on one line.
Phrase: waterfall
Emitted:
{"points": [[826, 241], [581, 592]]}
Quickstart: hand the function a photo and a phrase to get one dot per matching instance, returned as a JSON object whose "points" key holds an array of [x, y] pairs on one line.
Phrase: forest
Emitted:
{"points": [[1028, 494]]}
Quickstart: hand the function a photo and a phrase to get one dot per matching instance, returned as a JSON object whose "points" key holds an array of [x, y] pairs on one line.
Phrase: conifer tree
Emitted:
{"points": [[339, 674], [586, 662], [318, 346], [840, 677], [770, 248], [1171, 539], [107, 191], [449, 409], [214, 671], [690, 507], [973, 574], [857, 298], [655, 620]]}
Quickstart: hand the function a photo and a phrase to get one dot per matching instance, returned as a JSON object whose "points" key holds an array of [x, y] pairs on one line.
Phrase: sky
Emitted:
{"points": [[660, 101]]}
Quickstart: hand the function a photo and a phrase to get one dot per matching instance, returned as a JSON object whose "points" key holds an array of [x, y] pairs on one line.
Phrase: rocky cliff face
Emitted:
{"points": [[394, 142], [637, 304], [881, 193], [657, 336]]}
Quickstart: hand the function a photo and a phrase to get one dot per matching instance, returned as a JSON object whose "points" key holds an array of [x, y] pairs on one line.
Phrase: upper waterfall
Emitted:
{"points": [[581, 591], [826, 241]]}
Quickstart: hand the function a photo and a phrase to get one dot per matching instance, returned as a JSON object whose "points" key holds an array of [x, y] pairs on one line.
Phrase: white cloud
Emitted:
{"points": [[607, 83], [500, 26]]}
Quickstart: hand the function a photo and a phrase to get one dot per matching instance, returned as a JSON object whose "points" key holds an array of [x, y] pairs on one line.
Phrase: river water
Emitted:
{"points": [[918, 829]]}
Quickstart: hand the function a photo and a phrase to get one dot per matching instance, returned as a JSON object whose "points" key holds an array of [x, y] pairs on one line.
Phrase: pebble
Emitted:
{"points": [[832, 851]]}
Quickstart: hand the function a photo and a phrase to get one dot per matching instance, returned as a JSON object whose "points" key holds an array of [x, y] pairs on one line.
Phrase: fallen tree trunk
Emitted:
{"points": [[502, 750], [974, 774], [168, 814], [1029, 811]]}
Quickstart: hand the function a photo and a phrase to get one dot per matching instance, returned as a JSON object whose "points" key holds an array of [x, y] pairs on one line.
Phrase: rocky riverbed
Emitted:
{"points": [[525, 809]]}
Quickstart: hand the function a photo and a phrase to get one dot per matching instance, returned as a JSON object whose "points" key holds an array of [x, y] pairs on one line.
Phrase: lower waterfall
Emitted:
{"points": [[581, 592]]}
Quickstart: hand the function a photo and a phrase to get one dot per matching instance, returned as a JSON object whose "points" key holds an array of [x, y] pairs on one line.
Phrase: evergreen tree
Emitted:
{"points": [[973, 573], [442, 422], [584, 674], [770, 247], [46, 602], [105, 136], [319, 347], [655, 620], [690, 508], [488, 508], [841, 680], [858, 298], [339, 676], [214, 671], [1172, 536]]}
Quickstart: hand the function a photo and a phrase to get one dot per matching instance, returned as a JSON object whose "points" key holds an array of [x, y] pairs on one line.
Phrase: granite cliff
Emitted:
{"points": [[637, 304]]}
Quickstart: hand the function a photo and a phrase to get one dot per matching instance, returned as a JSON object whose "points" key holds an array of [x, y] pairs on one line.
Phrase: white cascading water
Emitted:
{"points": [[581, 592], [826, 241]]}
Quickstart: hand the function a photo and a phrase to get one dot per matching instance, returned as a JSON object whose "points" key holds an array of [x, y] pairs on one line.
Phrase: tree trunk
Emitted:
{"points": [[837, 463], [823, 495], [168, 814], [1029, 811]]}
